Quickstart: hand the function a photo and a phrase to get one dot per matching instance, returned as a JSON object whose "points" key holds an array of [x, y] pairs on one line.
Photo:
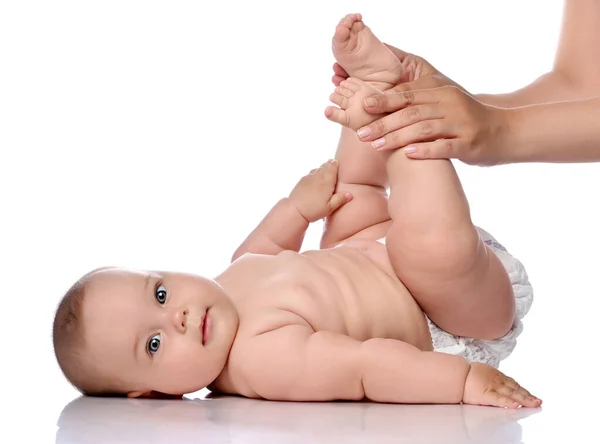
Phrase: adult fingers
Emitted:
{"points": [[339, 71], [387, 103], [339, 74], [425, 131], [438, 149], [336, 80], [398, 120]]}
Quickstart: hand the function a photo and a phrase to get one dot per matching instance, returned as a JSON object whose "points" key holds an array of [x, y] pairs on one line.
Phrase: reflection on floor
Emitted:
{"points": [[238, 420]]}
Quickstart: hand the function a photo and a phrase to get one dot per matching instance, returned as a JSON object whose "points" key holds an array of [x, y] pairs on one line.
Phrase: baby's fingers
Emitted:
{"points": [[498, 400], [325, 168], [337, 200], [513, 391], [331, 168]]}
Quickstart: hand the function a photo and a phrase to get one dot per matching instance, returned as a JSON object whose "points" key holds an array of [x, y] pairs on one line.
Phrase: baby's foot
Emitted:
{"points": [[363, 55], [349, 96]]}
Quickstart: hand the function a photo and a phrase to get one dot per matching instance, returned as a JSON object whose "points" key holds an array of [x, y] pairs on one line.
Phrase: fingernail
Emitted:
{"points": [[364, 132], [378, 143], [410, 149], [370, 101]]}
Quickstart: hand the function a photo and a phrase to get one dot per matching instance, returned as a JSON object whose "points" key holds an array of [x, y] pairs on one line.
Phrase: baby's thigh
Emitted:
{"points": [[466, 295]]}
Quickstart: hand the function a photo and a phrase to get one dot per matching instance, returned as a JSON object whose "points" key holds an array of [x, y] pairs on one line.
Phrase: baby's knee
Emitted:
{"points": [[452, 250], [367, 208]]}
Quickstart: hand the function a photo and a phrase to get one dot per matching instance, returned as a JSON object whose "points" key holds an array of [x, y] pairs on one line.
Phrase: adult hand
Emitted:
{"points": [[434, 115], [438, 123]]}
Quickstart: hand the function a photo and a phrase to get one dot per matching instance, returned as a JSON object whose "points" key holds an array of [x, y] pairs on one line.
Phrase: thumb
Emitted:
{"points": [[337, 200]]}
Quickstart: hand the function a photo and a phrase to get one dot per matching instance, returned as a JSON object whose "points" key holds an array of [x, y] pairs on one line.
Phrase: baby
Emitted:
{"points": [[405, 302]]}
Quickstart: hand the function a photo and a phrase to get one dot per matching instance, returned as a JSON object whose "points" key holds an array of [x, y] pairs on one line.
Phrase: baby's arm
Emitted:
{"points": [[284, 227], [294, 363]]}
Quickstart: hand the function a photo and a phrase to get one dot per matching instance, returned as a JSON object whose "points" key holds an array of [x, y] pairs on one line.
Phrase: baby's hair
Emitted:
{"points": [[69, 342]]}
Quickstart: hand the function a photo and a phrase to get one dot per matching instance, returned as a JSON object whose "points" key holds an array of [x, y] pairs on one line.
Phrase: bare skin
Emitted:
{"points": [[363, 55], [330, 324], [492, 129], [463, 287]]}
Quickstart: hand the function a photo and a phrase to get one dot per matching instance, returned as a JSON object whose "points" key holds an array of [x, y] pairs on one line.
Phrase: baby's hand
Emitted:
{"points": [[487, 386], [314, 194]]}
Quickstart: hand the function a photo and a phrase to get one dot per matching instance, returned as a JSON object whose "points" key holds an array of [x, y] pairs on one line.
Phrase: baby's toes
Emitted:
{"points": [[348, 26], [340, 99], [342, 30], [342, 35], [353, 84], [349, 19], [343, 91], [336, 115]]}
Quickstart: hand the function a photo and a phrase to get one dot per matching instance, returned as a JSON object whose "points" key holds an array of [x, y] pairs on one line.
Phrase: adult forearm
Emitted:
{"points": [[394, 371], [576, 71], [555, 132], [553, 86], [283, 228]]}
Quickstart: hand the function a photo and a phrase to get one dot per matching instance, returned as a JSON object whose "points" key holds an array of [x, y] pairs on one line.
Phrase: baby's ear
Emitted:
{"points": [[152, 395]]}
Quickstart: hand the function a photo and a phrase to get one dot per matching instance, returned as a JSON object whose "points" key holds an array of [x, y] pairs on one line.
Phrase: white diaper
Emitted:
{"points": [[490, 351]]}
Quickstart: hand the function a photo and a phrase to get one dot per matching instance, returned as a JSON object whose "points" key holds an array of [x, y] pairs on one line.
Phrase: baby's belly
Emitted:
{"points": [[361, 296]]}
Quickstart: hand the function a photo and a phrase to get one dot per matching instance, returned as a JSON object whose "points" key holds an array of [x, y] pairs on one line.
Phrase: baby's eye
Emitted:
{"points": [[153, 344], [161, 294]]}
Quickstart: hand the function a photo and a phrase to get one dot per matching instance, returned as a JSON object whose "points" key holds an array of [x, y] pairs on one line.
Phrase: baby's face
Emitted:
{"points": [[155, 331]]}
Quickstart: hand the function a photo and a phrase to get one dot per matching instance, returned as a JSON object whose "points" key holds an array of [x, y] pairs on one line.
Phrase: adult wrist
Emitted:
{"points": [[512, 144]]}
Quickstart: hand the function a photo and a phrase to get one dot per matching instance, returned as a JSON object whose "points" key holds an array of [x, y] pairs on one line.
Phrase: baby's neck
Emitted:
{"points": [[223, 383]]}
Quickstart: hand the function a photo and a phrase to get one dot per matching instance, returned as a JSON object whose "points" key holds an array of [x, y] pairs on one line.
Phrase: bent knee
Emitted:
{"points": [[450, 253], [367, 208]]}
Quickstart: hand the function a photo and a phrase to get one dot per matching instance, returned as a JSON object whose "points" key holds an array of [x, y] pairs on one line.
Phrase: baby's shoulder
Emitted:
{"points": [[243, 364]]}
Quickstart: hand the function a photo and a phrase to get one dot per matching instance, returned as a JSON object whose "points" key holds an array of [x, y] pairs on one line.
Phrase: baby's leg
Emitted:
{"points": [[362, 171], [363, 55], [438, 254], [433, 245]]}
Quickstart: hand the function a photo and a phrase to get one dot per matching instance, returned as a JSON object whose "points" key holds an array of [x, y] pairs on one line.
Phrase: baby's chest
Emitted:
{"points": [[339, 290], [290, 303]]}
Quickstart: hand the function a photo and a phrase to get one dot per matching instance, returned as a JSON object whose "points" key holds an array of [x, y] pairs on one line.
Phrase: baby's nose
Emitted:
{"points": [[180, 320]]}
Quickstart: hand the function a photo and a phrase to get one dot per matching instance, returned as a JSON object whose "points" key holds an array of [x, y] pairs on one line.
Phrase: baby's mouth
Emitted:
{"points": [[204, 327]]}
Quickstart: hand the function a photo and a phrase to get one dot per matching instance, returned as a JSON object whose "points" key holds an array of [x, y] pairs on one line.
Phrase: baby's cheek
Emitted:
{"points": [[188, 356]]}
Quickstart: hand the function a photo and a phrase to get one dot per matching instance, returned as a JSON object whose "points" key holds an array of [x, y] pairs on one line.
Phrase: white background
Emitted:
{"points": [[157, 135]]}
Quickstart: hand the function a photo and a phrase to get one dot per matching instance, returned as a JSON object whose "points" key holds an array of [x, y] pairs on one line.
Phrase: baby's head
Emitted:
{"points": [[138, 333]]}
